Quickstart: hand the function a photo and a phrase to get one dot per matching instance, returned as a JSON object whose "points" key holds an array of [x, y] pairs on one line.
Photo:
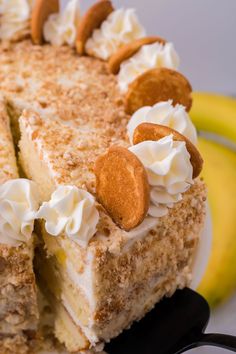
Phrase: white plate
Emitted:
{"points": [[203, 251]]}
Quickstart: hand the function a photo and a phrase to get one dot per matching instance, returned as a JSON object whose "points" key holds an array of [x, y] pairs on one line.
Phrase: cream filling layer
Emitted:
{"points": [[84, 281], [146, 301], [88, 331]]}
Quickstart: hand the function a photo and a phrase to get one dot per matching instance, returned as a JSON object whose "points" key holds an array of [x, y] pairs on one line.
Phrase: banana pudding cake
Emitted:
{"points": [[99, 117]]}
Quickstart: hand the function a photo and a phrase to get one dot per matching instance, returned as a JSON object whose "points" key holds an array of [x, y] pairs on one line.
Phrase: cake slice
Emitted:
{"points": [[99, 290], [18, 303]]}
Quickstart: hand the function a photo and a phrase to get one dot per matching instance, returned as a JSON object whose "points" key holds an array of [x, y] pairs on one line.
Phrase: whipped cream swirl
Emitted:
{"points": [[164, 113], [169, 170], [61, 28], [122, 26], [73, 211], [150, 56], [18, 208], [14, 18]]}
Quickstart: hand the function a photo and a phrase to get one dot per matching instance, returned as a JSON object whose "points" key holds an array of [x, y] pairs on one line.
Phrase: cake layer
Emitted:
{"points": [[65, 329], [61, 285], [18, 303], [68, 332]]}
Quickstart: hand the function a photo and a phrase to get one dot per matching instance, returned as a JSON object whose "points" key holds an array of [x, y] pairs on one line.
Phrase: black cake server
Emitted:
{"points": [[174, 326]]}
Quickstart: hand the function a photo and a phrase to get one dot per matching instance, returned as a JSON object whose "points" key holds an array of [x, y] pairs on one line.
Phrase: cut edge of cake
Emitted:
{"points": [[19, 316]]}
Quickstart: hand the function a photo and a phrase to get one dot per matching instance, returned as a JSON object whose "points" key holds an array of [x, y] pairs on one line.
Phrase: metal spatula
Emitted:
{"points": [[174, 326]]}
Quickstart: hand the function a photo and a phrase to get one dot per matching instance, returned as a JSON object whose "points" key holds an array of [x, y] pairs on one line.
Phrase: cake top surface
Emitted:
{"points": [[75, 109], [69, 152], [70, 164], [62, 86], [78, 102]]}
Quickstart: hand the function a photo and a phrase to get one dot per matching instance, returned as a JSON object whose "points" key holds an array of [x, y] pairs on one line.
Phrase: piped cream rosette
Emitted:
{"points": [[164, 113], [18, 207], [121, 27], [169, 170], [156, 55], [70, 211], [164, 139], [61, 28], [15, 19]]}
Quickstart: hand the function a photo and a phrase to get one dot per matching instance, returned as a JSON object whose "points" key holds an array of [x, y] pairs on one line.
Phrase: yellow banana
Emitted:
{"points": [[220, 176], [215, 114]]}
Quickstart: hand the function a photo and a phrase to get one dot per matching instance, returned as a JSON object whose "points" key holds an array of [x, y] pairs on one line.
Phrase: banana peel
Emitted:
{"points": [[214, 114], [220, 175], [217, 114]]}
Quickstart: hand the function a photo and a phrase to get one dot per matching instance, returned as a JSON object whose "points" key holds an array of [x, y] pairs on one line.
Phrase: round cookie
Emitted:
{"points": [[92, 19], [157, 85], [41, 11], [128, 50], [122, 187]]}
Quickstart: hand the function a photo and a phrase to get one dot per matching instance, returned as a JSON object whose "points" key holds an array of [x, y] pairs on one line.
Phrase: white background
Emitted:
{"points": [[204, 34]]}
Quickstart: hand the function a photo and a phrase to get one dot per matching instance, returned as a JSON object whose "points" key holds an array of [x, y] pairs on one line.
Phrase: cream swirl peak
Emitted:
{"points": [[61, 28], [150, 56], [169, 170], [18, 208], [164, 113], [122, 26], [73, 211], [15, 16]]}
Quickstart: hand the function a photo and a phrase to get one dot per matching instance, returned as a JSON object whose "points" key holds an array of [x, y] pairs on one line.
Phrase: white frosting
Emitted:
{"points": [[70, 210], [89, 332], [164, 113], [150, 56], [14, 17], [122, 26], [83, 280], [61, 28], [140, 231], [18, 208], [203, 251], [169, 170]]}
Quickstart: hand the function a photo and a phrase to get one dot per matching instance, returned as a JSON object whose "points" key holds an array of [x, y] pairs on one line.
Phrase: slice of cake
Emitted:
{"points": [[101, 288], [18, 305]]}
